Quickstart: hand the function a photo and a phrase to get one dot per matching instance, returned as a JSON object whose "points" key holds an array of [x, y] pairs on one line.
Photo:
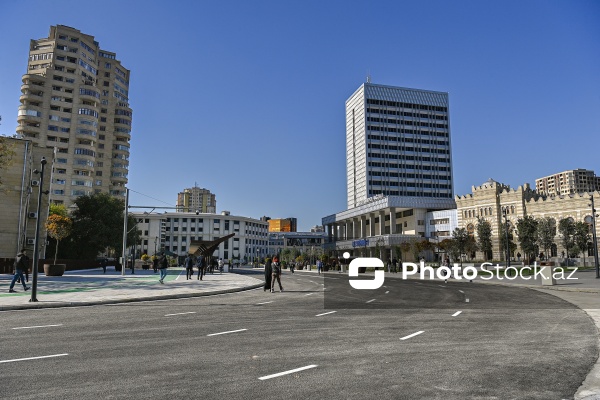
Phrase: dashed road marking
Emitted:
{"points": [[34, 358], [461, 291], [223, 333], [320, 315], [181, 313], [369, 301], [387, 292], [264, 302], [411, 335], [38, 326], [456, 313], [262, 378]]}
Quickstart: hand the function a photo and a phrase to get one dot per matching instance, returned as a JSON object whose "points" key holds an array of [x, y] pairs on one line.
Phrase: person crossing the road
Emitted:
{"points": [[276, 275], [189, 267], [163, 263]]}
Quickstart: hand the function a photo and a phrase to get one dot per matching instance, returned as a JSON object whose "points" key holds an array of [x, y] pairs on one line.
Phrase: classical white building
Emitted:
{"points": [[399, 167], [174, 232]]}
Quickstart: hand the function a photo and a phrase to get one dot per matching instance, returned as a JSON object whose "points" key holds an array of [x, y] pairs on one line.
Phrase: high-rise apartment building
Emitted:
{"points": [[75, 97], [397, 144], [568, 182], [196, 199]]}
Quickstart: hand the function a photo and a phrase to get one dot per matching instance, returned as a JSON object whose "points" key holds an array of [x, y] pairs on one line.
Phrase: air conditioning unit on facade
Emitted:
{"points": [[35, 183], [32, 215], [30, 241]]}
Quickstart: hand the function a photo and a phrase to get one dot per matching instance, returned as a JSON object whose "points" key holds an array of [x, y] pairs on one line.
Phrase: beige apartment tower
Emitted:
{"points": [[75, 98], [196, 200], [568, 182]]}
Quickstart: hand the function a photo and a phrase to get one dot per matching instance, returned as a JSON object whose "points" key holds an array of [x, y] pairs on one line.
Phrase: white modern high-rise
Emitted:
{"points": [[397, 144], [399, 168]]}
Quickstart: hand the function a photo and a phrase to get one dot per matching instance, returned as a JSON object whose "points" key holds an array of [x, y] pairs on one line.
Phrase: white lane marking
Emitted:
{"points": [[181, 313], [411, 335], [456, 313], [223, 333], [38, 326], [441, 286], [179, 275], [387, 292], [369, 301], [262, 378], [34, 358], [320, 315], [309, 294], [461, 291], [466, 300], [264, 302]]}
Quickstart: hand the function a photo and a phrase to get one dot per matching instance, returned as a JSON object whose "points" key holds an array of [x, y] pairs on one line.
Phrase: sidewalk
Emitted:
{"points": [[89, 287]]}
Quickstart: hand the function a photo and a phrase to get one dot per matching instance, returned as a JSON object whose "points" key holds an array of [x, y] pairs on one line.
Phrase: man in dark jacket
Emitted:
{"points": [[21, 265], [275, 275], [189, 267], [163, 263]]}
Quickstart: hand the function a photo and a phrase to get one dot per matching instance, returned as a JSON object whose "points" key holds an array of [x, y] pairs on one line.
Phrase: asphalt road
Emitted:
{"points": [[236, 346]]}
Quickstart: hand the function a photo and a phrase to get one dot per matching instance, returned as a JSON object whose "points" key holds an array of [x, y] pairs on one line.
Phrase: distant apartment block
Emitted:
{"points": [[196, 199], [75, 98], [283, 225], [568, 182]]}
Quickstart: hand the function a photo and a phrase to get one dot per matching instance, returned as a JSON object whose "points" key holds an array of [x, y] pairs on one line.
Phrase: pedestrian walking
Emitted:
{"points": [[103, 265], [292, 266], [319, 266], [163, 264], [200, 265], [221, 265], [155, 263], [268, 272], [21, 264], [189, 267], [394, 265], [276, 275]]}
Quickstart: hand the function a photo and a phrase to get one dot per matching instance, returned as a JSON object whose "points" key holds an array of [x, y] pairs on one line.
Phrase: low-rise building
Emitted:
{"points": [[174, 232]]}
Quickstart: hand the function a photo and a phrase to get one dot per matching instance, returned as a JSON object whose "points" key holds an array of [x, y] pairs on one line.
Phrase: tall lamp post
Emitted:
{"points": [[36, 242], [594, 237], [505, 212]]}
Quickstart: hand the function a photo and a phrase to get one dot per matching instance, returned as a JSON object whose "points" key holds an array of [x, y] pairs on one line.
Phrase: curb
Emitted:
{"points": [[35, 306]]}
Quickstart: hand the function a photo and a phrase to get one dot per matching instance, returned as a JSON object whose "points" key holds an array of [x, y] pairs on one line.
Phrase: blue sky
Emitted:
{"points": [[246, 98]]}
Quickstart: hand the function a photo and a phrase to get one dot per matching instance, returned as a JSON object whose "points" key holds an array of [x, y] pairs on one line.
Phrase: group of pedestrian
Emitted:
{"points": [[272, 274], [393, 265]]}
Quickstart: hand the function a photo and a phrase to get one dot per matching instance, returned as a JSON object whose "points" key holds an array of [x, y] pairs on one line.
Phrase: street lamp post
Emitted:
{"points": [[36, 256], [505, 212], [595, 239], [155, 240], [125, 212]]}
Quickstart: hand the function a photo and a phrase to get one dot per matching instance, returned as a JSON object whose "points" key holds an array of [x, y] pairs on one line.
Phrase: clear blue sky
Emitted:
{"points": [[246, 98]]}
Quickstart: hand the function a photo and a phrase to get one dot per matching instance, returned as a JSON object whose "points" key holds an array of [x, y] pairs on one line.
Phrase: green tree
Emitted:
{"points": [[471, 246], [527, 235], [581, 238], [546, 231], [58, 209], [405, 247], [98, 224], [566, 228], [511, 240], [484, 233], [58, 228], [461, 237]]}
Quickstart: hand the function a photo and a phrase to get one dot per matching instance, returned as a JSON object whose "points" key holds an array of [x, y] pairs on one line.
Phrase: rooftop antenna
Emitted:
{"points": [[368, 76]]}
